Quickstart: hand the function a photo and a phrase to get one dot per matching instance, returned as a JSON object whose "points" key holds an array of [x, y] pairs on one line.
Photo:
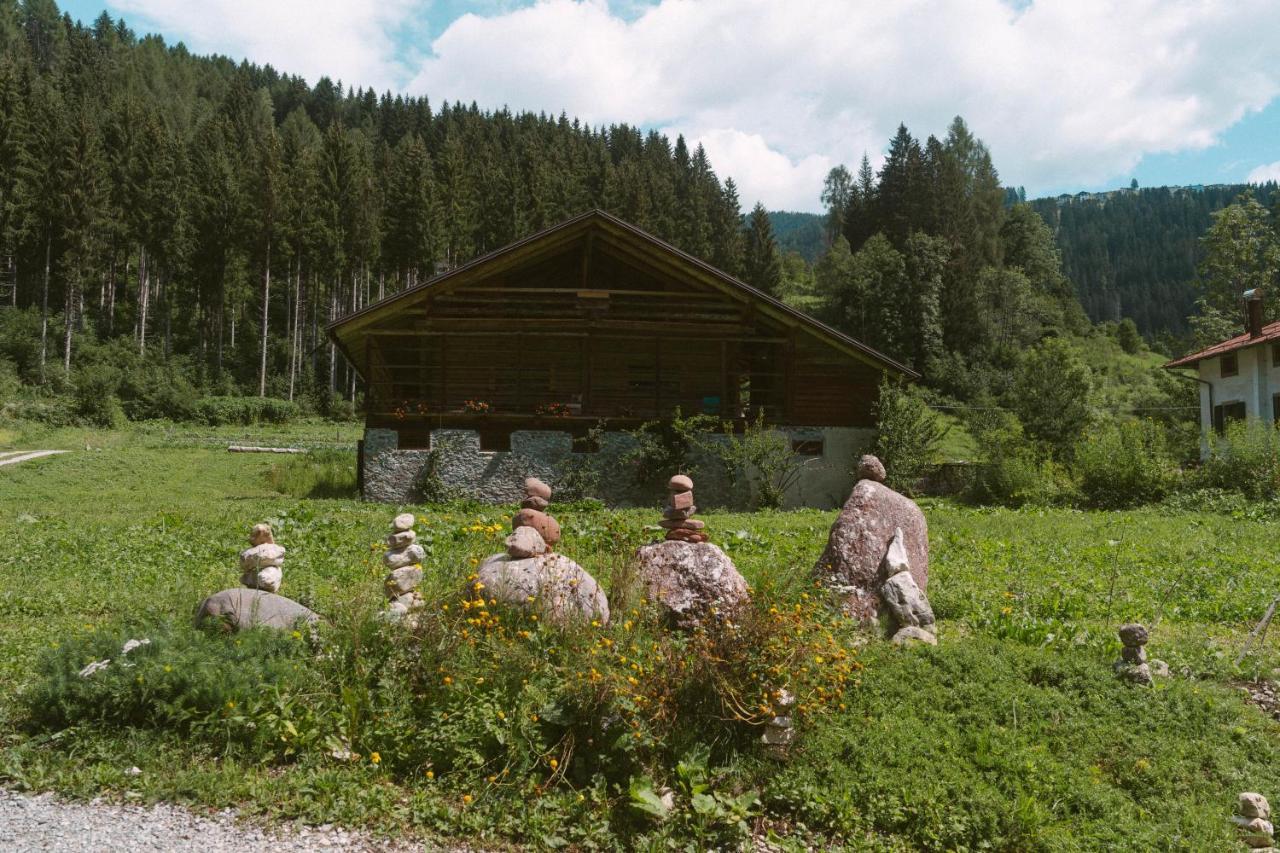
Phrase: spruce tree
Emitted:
{"points": [[762, 261]]}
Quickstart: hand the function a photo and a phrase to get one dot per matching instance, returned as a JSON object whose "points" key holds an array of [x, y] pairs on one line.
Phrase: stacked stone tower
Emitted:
{"points": [[404, 559], [261, 564], [677, 516]]}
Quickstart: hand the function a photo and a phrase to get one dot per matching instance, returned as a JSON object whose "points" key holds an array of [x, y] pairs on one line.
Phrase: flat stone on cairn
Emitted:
{"points": [[403, 557], [690, 578], [859, 539], [261, 563]]}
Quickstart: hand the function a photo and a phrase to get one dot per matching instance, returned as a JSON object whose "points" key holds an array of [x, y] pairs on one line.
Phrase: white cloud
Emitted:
{"points": [[1264, 173], [351, 40], [1063, 91]]}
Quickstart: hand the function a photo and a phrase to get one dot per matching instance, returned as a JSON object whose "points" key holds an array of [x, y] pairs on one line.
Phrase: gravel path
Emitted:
{"points": [[23, 455], [46, 823]]}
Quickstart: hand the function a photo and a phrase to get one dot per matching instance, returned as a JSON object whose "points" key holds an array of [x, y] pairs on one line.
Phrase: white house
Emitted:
{"points": [[1239, 377]]}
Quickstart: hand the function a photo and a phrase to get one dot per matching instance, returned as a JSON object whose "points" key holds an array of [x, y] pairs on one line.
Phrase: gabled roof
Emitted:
{"points": [[1270, 332], [346, 331]]}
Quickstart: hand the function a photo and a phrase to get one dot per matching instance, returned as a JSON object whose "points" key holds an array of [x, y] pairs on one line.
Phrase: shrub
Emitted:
{"points": [[1246, 459], [244, 411], [1051, 392], [908, 434], [1124, 464], [666, 447], [760, 460], [1013, 471], [95, 395]]}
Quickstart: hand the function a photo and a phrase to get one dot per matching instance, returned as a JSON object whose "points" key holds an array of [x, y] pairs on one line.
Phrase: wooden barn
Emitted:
{"points": [[591, 320]]}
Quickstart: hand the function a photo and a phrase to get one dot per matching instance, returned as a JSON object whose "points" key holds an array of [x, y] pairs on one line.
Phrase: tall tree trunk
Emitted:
{"points": [[44, 306], [144, 297], [333, 355], [266, 304], [295, 327], [69, 323]]}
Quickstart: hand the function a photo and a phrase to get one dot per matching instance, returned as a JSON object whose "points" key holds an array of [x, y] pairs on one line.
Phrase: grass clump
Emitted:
{"points": [[321, 473]]}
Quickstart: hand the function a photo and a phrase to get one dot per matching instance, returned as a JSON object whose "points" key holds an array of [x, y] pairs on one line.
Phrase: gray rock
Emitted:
{"points": [[690, 580], [549, 584], [672, 514], [1159, 668], [1252, 805], [404, 557], [268, 578], [871, 468], [906, 602], [525, 542], [1134, 634], [913, 634], [859, 539], [1135, 673], [774, 736], [401, 539], [535, 502], [402, 580], [241, 608], [1256, 832], [1133, 654], [403, 521]]}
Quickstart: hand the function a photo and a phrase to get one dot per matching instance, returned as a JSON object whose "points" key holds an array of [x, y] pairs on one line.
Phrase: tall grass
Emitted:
{"points": [[323, 473]]}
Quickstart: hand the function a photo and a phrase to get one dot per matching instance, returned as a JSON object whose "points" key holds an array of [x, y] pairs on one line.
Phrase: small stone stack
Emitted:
{"points": [[1132, 665], [533, 514], [260, 564], [1253, 819], [404, 559], [910, 617], [778, 732], [677, 516]]}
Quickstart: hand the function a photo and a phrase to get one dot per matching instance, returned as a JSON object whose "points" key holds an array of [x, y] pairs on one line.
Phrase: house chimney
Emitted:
{"points": [[1253, 312]]}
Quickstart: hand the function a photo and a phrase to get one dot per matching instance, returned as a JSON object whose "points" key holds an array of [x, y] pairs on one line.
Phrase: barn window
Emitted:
{"points": [[1275, 355], [1229, 364], [495, 440], [1226, 413]]}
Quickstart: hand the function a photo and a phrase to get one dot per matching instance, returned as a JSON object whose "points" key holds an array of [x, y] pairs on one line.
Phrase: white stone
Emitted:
{"points": [[784, 699], [1159, 668], [412, 555], [1253, 805], [403, 521], [774, 736], [895, 559], [905, 601], [267, 578], [403, 539], [550, 584], [261, 556], [402, 580], [913, 634], [525, 542]]}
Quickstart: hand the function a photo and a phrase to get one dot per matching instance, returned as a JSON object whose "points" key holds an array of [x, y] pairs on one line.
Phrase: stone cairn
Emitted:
{"points": [[1133, 665], [403, 558], [1253, 819], [533, 532], [261, 563], [677, 516], [905, 604], [779, 732]]}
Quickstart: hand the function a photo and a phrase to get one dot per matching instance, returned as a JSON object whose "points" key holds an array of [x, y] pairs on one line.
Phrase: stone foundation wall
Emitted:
{"points": [[455, 466]]}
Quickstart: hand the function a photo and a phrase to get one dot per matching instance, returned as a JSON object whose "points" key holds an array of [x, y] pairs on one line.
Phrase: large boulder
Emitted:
{"points": [[549, 584], [859, 540], [690, 580], [241, 608]]}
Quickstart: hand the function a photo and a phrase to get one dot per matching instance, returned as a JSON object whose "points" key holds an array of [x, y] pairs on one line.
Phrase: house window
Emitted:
{"points": [[1275, 355], [1225, 414], [1229, 364]]}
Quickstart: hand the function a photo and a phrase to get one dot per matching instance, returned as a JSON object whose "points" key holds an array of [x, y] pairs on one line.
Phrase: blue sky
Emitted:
{"points": [[1068, 94]]}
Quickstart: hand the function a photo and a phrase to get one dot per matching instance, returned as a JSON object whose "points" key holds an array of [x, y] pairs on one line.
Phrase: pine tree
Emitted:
{"points": [[762, 260]]}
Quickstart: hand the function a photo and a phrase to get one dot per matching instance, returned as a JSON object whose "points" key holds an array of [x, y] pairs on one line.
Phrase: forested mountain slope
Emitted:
{"points": [[1134, 253], [189, 207]]}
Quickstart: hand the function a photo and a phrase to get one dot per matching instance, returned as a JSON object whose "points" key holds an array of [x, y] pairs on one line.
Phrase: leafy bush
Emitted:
{"points": [[1013, 472], [95, 395], [1051, 394], [217, 688], [1245, 459], [1124, 464], [908, 434], [759, 461], [158, 392], [244, 411], [666, 447]]}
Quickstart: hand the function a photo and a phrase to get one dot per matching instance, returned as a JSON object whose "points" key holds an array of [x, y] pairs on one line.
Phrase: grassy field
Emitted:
{"points": [[1011, 735]]}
